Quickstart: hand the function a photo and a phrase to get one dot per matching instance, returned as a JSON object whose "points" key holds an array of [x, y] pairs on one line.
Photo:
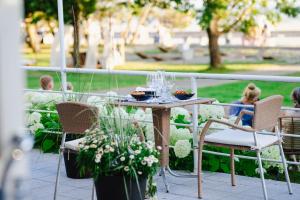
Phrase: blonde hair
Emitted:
{"points": [[251, 93], [45, 81]]}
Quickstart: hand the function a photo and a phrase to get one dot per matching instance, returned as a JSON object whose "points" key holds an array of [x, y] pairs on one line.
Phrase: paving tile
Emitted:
{"points": [[216, 186]]}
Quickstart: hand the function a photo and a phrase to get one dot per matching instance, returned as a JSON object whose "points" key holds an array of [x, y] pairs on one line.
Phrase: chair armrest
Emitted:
{"points": [[210, 121], [242, 113]]}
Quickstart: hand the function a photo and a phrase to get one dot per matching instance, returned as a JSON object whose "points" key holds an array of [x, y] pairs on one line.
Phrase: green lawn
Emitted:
{"points": [[177, 67], [87, 82], [233, 91], [224, 93]]}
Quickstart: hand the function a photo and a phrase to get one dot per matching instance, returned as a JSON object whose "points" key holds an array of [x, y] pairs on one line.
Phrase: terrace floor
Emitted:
{"points": [[216, 185]]}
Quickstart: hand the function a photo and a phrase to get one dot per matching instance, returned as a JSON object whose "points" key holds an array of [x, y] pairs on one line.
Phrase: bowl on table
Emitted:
{"points": [[183, 95], [140, 96], [148, 91]]}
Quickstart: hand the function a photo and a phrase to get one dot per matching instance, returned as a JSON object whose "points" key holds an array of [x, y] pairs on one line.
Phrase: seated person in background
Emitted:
{"points": [[250, 96], [46, 82], [70, 86], [290, 124], [295, 97]]}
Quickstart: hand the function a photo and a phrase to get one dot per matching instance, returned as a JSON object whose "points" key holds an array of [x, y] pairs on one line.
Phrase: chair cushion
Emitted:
{"points": [[240, 138], [73, 144]]}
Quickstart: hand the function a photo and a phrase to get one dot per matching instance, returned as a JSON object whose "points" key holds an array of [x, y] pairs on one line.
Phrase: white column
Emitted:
{"points": [[195, 123], [11, 104], [62, 46]]}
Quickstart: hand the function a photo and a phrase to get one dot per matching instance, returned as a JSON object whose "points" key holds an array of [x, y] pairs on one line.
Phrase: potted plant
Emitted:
{"points": [[120, 160]]}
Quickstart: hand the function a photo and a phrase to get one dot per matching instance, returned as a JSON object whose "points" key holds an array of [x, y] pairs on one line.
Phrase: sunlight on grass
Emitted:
{"points": [[152, 66], [222, 93], [87, 82]]}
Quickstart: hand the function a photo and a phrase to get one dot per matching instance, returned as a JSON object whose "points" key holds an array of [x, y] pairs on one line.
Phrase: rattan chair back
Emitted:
{"points": [[77, 117], [266, 112], [291, 125]]}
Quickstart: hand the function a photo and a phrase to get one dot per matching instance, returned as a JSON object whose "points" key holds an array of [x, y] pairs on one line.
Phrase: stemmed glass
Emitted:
{"points": [[170, 83], [162, 84]]}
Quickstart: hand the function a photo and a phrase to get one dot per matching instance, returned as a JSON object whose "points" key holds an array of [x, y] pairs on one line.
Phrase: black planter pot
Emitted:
{"points": [[72, 169], [113, 188]]}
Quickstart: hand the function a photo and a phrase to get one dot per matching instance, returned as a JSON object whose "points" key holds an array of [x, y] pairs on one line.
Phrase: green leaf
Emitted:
{"points": [[214, 164], [47, 145], [225, 167]]}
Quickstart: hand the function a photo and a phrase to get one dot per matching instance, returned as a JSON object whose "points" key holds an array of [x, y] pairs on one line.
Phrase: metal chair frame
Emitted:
{"points": [[75, 118], [262, 121]]}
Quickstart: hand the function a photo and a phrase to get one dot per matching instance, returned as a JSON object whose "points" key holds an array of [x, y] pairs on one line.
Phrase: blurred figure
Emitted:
{"points": [[295, 97], [250, 96], [289, 123], [46, 82], [70, 86]]}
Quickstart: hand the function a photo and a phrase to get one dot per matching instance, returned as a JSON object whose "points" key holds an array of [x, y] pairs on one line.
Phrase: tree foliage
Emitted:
{"points": [[219, 17], [47, 9]]}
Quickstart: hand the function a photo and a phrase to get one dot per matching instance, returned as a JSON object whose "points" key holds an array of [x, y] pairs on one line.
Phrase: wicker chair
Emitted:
{"points": [[290, 124], [75, 119], [265, 117]]}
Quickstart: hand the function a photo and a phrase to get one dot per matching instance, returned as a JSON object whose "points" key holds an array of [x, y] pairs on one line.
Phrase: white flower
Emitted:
{"points": [[139, 116], [143, 162], [272, 152], [28, 96], [122, 158], [53, 97], [150, 144], [86, 147], [211, 112], [258, 172], [110, 96], [107, 146], [137, 152], [93, 146], [111, 149], [140, 173], [39, 98], [179, 134], [94, 100], [148, 111], [35, 127], [100, 150], [126, 168], [175, 112], [34, 117], [120, 113], [98, 158], [182, 148], [131, 156]]}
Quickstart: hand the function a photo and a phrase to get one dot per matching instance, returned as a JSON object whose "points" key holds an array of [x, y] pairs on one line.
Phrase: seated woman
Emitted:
{"points": [[290, 124], [295, 97], [250, 96]]}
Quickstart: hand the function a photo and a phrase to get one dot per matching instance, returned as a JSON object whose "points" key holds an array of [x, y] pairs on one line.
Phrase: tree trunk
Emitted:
{"points": [[141, 21], [214, 50], [76, 40], [33, 42]]}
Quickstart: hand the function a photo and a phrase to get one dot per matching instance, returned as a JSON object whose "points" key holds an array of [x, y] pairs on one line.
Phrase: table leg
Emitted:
{"points": [[161, 124]]}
